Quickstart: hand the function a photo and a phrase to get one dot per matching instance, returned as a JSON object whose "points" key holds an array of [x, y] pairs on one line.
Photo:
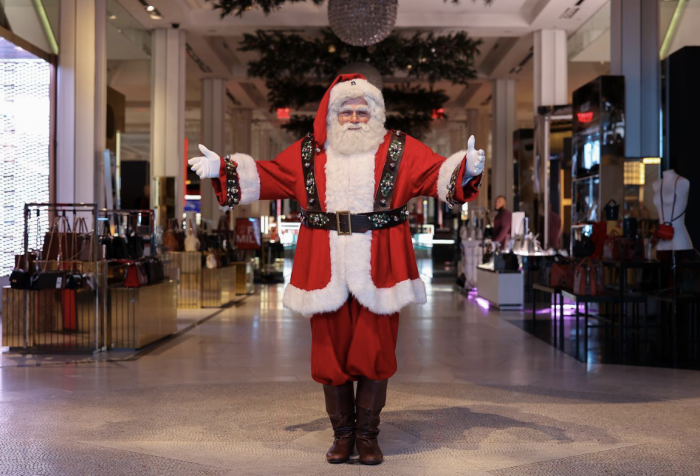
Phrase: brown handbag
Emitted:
{"points": [[83, 240], [171, 239], [562, 275], [59, 241], [588, 279]]}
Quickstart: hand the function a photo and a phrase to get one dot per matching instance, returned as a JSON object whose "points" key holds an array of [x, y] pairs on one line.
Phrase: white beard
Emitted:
{"points": [[351, 139]]}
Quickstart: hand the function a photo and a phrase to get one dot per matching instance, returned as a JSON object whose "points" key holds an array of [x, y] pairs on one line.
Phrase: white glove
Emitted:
{"points": [[207, 166], [475, 159]]}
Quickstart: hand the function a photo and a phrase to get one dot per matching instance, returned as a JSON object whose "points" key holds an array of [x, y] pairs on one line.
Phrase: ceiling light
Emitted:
{"points": [[569, 13], [156, 16], [150, 8], [112, 17]]}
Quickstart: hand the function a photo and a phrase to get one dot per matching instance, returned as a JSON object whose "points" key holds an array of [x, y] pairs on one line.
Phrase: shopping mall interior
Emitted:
{"points": [[453, 237]]}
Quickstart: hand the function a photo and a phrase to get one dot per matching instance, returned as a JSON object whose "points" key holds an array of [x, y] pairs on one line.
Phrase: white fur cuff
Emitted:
{"points": [[248, 178], [446, 170]]}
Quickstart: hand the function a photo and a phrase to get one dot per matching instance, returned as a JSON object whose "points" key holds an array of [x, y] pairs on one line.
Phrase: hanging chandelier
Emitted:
{"points": [[362, 22]]}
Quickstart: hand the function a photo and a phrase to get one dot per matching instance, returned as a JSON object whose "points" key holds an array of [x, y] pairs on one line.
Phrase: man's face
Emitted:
{"points": [[500, 203], [354, 111]]}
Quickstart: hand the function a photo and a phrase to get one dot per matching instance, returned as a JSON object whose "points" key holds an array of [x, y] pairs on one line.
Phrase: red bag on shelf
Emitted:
{"points": [[588, 279], [69, 308]]}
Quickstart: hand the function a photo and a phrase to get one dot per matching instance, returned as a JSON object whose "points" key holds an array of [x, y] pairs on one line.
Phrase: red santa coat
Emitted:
{"points": [[378, 267]]}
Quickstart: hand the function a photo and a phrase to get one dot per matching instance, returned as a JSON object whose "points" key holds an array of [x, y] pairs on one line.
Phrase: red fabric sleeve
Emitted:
{"points": [[425, 165], [279, 177], [220, 184]]}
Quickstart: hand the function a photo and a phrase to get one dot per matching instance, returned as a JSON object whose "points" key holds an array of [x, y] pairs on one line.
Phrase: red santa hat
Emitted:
{"points": [[344, 87]]}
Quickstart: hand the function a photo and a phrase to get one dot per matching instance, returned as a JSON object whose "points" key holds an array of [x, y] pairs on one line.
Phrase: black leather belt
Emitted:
{"points": [[346, 223]]}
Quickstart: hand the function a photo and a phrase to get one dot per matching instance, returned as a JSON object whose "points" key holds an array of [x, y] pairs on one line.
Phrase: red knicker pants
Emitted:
{"points": [[353, 342]]}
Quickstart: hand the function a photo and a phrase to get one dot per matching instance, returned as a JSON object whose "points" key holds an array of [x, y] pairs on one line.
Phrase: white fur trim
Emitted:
{"points": [[446, 170], [350, 186], [327, 299], [248, 178], [355, 88]]}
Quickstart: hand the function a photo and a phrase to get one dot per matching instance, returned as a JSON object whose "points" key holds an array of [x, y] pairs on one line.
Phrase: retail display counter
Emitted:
{"points": [[141, 316], [503, 289]]}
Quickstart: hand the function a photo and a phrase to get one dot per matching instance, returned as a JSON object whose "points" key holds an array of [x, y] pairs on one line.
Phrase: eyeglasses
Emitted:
{"points": [[349, 114]]}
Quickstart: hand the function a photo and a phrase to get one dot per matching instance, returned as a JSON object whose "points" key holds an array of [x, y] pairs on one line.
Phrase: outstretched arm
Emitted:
{"points": [[238, 179], [455, 179]]}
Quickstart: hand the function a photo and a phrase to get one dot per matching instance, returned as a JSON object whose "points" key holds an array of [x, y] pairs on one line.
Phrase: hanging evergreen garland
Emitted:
{"points": [[421, 56], [239, 7], [297, 71]]}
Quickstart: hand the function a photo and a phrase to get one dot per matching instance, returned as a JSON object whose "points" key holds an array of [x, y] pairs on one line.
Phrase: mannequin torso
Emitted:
{"points": [[673, 185]]}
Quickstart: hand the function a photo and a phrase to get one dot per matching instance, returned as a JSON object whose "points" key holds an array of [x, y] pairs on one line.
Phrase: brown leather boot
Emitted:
{"points": [[340, 405], [371, 397]]}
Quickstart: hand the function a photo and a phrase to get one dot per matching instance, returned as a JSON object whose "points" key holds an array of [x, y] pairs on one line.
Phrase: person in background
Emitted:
{"points": [[554, 229], [501, 224]]}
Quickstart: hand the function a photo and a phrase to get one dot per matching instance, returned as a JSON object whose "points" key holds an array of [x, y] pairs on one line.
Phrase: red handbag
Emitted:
{"points": [[666, 231], [69, 309], [135, 275]]}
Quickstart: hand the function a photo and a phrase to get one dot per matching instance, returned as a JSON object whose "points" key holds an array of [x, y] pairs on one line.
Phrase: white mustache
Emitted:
{"points": [[349, 126]]}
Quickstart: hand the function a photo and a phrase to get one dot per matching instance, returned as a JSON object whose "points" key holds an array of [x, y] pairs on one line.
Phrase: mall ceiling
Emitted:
{"points": [[505, 27]]}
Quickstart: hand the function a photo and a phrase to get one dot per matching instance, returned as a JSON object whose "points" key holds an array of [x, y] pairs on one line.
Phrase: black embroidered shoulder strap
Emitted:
{"points": [[308, 162], [382, 199]]}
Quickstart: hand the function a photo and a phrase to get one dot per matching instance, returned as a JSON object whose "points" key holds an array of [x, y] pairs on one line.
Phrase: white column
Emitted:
{"points": [[212, 135], [242, 130], [168, 112], [550, 69], [634, 53], [241, 142], [81, 102], [502, 127]]}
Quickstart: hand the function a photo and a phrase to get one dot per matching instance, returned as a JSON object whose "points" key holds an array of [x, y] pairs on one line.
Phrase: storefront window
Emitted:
{"points": [[25, 110]]}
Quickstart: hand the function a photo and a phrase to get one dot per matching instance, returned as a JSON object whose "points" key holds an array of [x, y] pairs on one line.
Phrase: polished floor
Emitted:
{"points": [[473, 395]]}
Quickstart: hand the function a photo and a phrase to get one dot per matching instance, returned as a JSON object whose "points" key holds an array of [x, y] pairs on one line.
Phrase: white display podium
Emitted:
{"points": [[502, 289]]}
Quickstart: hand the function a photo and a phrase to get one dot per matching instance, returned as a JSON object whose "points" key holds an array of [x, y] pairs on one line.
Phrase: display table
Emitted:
{"points": [[218, 286], [503, 289], [141, 316], [186, 268], [245, 277]]}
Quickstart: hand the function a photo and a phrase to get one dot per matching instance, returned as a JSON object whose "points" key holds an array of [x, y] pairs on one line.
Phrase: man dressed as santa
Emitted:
{"points": [[354, 267]]}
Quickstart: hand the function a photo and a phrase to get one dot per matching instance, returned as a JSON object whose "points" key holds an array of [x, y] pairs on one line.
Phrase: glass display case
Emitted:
{"points": [[598, 144]]}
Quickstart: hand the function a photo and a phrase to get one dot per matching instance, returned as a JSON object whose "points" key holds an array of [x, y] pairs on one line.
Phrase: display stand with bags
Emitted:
{"points": [[56, 301]]}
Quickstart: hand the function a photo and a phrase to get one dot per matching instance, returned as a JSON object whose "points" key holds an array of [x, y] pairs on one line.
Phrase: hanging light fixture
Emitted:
{"points": [[362, 22]]}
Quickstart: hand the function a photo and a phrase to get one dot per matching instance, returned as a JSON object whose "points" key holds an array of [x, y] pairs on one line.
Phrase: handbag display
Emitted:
{"points": [[511, 261], [666, 231], [612, 210], [212, 262], [135, 275], [59, 241], [135, 243], [69, 309], [584, 247], [191, 241], [610, 249], [84, 240], [172, 239], [106, 247], [20, 279], [21, 260], [154, 270], [48, 280], [588, 279], [562, 274]]}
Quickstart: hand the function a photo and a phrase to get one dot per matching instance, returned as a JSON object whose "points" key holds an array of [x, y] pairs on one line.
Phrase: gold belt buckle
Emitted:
{"points": [[337, 223]]}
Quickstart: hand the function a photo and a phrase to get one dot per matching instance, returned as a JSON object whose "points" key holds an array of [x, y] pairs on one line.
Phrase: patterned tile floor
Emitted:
{"points": [[474, 395]]}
